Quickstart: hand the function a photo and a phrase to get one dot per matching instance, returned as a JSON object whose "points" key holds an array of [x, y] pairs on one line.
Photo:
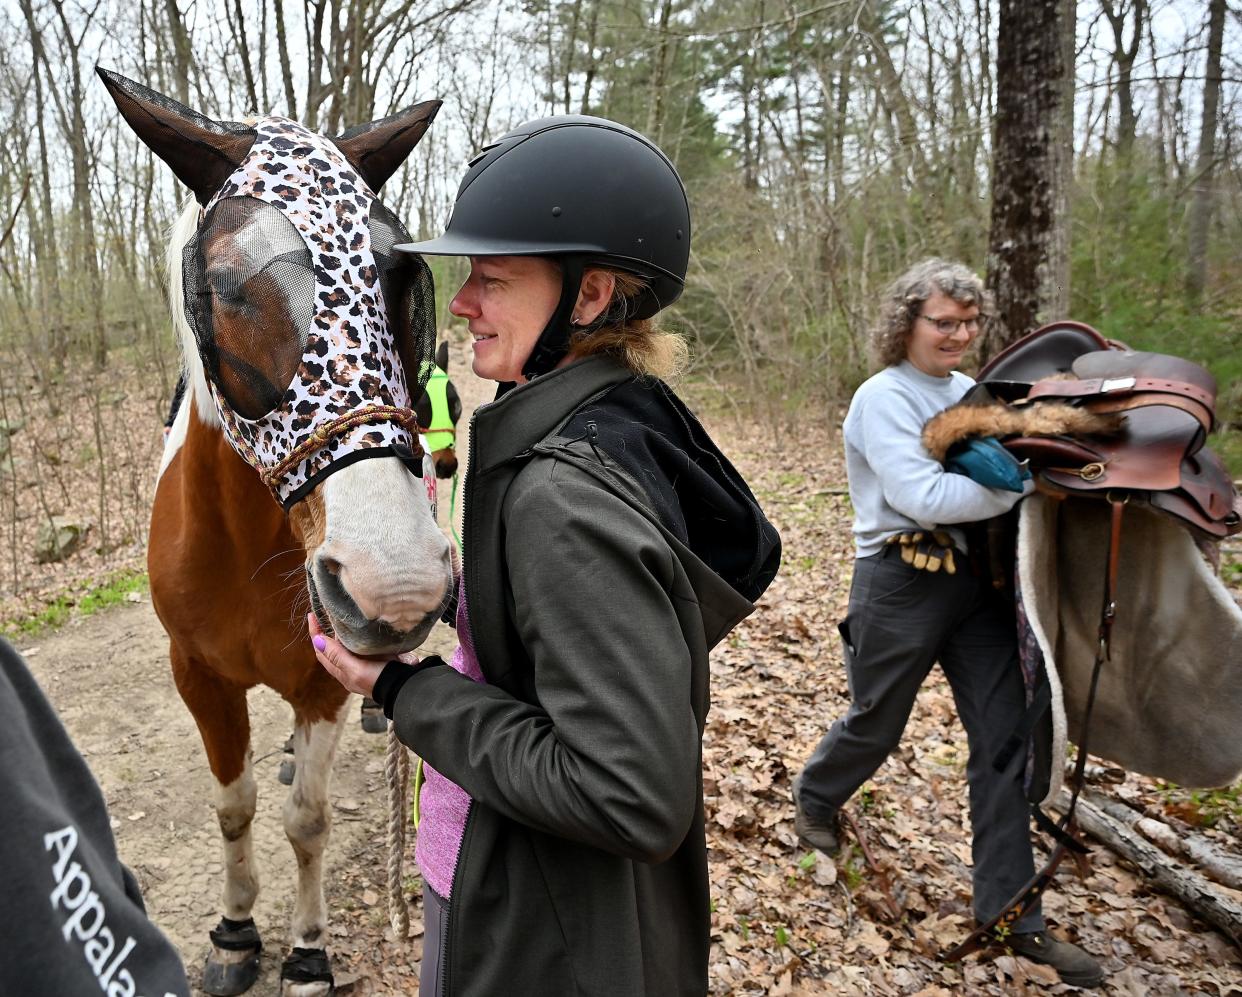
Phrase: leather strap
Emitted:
{"points": [[1126, 402], [1085, 387]]}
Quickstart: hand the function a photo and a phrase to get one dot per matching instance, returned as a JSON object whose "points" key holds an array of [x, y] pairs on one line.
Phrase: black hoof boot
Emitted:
{"points": [[288, 765], [307, 971], [373, 719], [233, 965]]}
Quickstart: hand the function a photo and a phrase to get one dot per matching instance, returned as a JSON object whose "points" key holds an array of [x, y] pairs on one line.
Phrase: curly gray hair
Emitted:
{"points": [[905, 297]]}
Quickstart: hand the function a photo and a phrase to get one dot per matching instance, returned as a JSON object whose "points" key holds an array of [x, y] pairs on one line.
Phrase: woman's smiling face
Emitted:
{"points": [[506, 301], [933, 351]]}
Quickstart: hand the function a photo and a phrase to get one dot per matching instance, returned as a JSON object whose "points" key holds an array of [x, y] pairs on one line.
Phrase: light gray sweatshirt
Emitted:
{"points": [[895, 485]]}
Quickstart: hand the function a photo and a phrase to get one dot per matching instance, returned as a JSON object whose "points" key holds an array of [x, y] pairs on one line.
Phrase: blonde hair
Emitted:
{"points": [[904, 299], [636, 342]]}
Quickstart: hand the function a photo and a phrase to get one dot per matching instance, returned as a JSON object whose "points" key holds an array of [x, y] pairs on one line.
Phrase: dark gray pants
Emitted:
{"points": [[901, 622]]}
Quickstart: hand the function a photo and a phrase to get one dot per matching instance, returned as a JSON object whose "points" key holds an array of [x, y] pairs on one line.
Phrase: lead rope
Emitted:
{"points": [[1064, 830], [453, 511], [397, 777]]}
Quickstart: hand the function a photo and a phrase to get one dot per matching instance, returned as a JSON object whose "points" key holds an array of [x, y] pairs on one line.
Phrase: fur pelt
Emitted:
{"points": [[961, 422]]}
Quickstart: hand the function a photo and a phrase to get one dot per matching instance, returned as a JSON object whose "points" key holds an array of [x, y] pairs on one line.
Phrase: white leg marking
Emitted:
{"points": [[308, 820], [235, 806]]}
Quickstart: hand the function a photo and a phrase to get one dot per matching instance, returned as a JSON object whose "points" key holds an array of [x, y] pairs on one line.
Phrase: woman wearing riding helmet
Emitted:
{"points": [[609, 545]]}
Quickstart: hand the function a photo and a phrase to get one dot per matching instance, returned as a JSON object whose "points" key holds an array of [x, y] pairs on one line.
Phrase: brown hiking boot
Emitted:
{"points": [[1074, 965], [821, 833]]}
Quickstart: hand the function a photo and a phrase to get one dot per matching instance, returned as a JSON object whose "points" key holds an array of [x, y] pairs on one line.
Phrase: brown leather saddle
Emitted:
{"points": [[1157, 454], [1132, 641]]}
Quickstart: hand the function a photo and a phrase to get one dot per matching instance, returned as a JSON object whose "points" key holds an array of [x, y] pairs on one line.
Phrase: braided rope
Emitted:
{"points": [[336, 427], [397, 777]]}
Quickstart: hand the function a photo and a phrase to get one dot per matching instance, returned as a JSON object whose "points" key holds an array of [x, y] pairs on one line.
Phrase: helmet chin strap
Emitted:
{"points": [[553, 343]]}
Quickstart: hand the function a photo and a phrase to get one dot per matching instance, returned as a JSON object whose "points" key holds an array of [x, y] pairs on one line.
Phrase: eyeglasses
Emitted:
{"points": [[948, 326]]}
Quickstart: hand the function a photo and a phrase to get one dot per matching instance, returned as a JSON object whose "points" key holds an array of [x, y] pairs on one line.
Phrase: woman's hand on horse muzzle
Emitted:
{"points": [[355, 673]]}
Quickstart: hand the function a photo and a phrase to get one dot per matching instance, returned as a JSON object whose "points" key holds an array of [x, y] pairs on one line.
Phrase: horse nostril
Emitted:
{"points": [[331, 565]]}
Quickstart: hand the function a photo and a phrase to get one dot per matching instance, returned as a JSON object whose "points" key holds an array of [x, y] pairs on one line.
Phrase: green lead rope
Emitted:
{"points": [[417, 811]]}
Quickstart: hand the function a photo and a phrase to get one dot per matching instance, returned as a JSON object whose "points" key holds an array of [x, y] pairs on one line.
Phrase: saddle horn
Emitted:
{"points": [[200, 151]]}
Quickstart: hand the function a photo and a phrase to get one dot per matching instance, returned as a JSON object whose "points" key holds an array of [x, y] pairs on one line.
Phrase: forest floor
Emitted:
{"points": [[785, 921]]}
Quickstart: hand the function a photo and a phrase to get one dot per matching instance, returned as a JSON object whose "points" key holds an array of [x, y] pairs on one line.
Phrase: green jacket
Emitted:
{"points": [[583, 869]]}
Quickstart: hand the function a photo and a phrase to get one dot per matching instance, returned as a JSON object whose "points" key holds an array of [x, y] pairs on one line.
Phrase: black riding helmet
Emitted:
{"points": [[583, 191]]}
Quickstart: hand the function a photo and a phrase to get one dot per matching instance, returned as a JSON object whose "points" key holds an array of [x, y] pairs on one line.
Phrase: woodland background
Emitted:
{"points": [[1086, 156]]}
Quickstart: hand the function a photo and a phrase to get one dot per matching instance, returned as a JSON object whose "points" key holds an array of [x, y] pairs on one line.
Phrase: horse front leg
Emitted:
{"points": [[219, 709], [308, 822]]}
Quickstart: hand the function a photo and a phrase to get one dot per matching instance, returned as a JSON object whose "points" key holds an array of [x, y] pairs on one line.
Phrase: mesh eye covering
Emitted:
{"points": [[315, 336]]}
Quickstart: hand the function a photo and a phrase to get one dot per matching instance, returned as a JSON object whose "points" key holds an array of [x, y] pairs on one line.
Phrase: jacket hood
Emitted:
{"points": [[691, 486]]}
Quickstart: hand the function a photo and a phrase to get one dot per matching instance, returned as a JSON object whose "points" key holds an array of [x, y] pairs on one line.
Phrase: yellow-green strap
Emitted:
{"points": [[418, 791]]}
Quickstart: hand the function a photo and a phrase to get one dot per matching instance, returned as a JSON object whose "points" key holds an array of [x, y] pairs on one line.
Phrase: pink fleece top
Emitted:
{"points": [[443, 805]]}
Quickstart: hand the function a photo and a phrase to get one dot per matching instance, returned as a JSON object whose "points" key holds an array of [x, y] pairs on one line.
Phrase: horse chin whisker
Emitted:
{"points": [[269, 560]]}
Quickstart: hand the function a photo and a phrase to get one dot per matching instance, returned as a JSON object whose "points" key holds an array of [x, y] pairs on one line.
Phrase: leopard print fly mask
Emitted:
{"points": [[316, 337]]}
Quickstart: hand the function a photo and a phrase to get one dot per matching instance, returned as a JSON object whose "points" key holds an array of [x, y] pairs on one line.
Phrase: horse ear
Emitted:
{"points": [[442, 355], [200, 151], [377, 149]]}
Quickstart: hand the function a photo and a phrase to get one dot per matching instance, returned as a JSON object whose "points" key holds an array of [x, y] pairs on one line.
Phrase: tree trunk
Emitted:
{"points": [[659, 74], [45, 232], [237, 26], [1028, 259], [1201, 202], [592, 62], [1123, 60], [282, 48], [181, 50]]}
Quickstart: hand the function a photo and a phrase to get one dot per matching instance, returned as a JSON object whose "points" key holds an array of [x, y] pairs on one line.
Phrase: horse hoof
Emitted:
{"points": [[233, 965], [307, 973], [373, 719], [224, 979]]}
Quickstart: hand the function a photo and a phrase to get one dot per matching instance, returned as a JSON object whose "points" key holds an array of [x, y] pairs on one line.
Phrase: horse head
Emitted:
{"points": [[439, 409], [314, 339]]}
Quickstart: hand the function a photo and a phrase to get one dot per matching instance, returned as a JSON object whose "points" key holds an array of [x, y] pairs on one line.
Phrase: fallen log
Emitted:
{"points": [[1218, 864], [1195, 891]]}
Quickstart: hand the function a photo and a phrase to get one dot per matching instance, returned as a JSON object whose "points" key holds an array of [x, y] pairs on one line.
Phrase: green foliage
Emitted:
{"points": [[1128, 246], [1231, 565], [112, 591], [448, 272], [1204, 807]]}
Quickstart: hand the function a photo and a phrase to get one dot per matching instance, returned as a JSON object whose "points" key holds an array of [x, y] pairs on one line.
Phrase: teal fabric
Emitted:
{"points": [[984, 460]]}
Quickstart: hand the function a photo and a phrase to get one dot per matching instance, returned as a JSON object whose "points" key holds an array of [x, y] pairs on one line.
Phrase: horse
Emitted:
{"points": [[304, 339], [439, 410]]}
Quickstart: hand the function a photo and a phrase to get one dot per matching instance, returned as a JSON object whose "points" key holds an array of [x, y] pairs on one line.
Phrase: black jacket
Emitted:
{"points": [[609, 545], [73, 921]]}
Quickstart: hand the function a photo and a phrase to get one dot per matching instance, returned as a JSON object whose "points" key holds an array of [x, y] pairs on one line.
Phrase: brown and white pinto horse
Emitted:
{"points": [[284, 256]]}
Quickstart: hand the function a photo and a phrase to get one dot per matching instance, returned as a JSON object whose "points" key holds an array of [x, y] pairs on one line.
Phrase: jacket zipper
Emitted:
{"points": [[450, 921], [452, 905]]}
